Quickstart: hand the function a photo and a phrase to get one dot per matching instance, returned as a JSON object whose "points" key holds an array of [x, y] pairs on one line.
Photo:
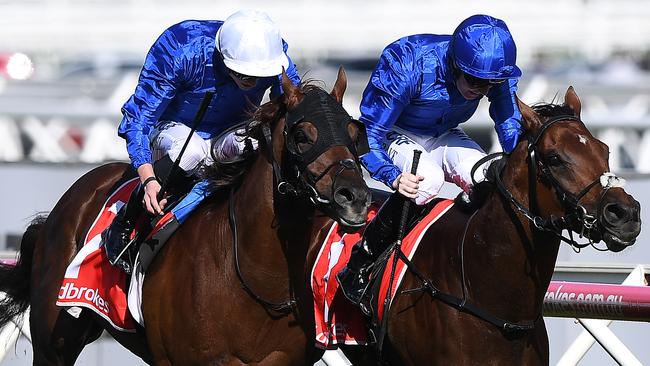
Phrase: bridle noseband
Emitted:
{"points": [[330, 120], [575, 212]]}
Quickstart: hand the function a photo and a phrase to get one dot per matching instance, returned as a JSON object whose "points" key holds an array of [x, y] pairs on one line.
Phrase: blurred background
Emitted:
{"points": [[67, 66]]}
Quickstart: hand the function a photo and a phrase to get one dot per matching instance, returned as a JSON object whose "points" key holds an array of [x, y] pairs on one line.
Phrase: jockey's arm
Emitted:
{"points": [[505, 114], [389, 91], [156, 87], [151, 189]]}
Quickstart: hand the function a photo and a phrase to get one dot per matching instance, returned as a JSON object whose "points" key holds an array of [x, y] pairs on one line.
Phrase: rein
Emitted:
{"points": [[462, 303], [284, 307], [328, 124], [551, 224], [570, 202]]}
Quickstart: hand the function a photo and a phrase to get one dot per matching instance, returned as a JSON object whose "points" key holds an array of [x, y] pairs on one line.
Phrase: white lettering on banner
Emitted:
{"points": [[11, 148], [558, 295], [57, 140], [102, 143], [45, 139], [594, 303], [70, 292], [643, 165], [624, 146]]}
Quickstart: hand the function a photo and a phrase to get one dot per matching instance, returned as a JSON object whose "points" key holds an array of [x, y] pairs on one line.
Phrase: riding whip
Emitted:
{"points": [[198, 117], [397, 250]]}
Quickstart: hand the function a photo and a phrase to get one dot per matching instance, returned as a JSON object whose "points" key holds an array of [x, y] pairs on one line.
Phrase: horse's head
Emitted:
{"points": [[576, 190], [315, 141]]}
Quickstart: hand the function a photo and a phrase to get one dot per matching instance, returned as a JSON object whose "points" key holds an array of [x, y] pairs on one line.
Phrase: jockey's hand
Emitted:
{"points": [[151, 200], [407, 184]]}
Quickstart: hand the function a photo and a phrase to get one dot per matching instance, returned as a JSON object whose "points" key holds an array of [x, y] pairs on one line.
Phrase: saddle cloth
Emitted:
{"points": [[337, 320], [91, 282]]}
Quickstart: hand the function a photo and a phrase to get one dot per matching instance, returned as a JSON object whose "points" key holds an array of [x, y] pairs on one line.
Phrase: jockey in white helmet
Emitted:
{"points": [[238, 59]]}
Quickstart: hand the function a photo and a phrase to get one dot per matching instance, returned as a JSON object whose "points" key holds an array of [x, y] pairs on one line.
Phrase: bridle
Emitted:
{"points": [[574, 212], [327, 114], [330, 120]]}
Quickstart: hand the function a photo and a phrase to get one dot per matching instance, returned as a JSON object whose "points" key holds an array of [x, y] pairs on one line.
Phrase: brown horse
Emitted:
{"points": [[231, 286], [473, 292]]}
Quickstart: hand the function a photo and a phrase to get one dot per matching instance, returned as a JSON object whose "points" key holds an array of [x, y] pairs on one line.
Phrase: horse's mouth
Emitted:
{"points": [[616, 244], [350, 226]]}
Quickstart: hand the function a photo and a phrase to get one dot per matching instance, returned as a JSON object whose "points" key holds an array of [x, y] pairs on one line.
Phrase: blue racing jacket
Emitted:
{"points": [[413, 88], [177, 72]]}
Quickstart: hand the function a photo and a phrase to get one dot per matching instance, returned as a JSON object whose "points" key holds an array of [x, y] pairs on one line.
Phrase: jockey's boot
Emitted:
{"points": [[378, 236], [117, 236]]}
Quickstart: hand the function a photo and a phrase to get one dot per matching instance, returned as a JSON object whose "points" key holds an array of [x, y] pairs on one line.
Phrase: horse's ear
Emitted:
{"points": [[340, 85], [291, 92], [530, 121], [571, 99]]}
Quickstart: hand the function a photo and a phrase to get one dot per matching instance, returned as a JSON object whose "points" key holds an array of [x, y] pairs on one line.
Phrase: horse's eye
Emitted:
{"points": [[554, 160], [300, 137]]}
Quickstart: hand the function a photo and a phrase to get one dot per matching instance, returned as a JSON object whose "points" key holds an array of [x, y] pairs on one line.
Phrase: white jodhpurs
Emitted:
{"points": [[449, 157], [168, 137]]}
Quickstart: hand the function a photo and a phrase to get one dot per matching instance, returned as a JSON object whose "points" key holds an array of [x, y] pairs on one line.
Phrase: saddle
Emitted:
{"points": [[376, 303]]}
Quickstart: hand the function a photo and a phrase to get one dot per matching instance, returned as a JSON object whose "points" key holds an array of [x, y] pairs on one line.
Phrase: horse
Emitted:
{"points": [[230, 286], [473, 293]]}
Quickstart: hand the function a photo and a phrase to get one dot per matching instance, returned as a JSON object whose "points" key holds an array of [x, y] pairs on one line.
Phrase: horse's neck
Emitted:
{"points": [[518, 259], [284, 226]]}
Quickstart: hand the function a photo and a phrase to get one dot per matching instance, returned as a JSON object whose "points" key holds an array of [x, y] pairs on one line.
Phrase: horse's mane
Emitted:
{"points": [[552, 110], [482, 189], [220, 175]]}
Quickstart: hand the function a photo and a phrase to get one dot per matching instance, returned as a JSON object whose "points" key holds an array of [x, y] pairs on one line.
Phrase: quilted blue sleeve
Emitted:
{"points": [[156, 87], [392, 85], [505, 114]]}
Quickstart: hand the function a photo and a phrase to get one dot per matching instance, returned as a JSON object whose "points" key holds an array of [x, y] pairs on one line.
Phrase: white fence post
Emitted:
{"points": [[585, 340], [610, 343]]}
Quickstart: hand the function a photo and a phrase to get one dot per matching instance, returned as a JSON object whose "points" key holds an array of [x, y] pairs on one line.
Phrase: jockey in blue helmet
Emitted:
{"points": [[239, 59], [423, 87]]}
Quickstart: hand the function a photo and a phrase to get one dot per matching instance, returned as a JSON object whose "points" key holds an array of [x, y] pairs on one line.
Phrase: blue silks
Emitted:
{"points": [[177, 72], [413, 88]]}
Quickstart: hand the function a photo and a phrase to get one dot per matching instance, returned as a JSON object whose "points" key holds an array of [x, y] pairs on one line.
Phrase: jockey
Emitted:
{"points": [[240, 59], [423, 87]]}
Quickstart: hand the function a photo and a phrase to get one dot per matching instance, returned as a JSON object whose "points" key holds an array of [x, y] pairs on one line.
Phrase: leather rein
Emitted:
{"points": [[571, 203], [332, 131]]}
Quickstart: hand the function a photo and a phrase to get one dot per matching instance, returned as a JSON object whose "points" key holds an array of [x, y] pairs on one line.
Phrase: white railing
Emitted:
{"points": [[598, 331], [595, 330]]}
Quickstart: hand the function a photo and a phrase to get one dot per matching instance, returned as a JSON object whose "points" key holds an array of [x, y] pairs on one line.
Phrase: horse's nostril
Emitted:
{"points": [[343, 195], [615, 213]]}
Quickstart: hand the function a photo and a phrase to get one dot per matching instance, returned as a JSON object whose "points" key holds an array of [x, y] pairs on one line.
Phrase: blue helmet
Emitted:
{"points": [[482, 46]]}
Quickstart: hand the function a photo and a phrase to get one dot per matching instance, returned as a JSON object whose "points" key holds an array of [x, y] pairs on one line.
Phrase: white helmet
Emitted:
{"points": [[250, 44]]}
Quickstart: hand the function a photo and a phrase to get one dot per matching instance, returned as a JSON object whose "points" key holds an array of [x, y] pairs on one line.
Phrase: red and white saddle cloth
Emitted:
{"points": [[337, 320], [90, 281]]}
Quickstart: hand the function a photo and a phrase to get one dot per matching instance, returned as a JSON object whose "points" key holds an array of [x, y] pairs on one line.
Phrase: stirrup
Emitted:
{"points": [[116, 232], [123, 264]]}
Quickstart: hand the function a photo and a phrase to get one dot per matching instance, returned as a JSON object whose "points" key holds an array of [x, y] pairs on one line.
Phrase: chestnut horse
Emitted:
{"points": [[473, 292], [231, 286]]}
